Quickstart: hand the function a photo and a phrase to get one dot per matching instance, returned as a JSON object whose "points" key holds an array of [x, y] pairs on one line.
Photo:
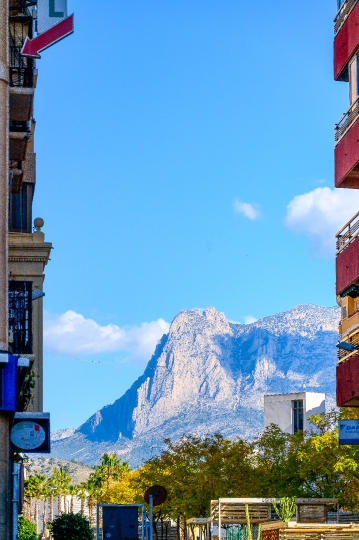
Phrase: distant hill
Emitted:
{"points": [[209, 375], [79, 471]]}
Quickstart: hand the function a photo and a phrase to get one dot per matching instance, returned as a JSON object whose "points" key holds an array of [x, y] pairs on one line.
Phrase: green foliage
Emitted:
{"points": [[27, 529], [71, 527], [195, 470], [286, 508]]}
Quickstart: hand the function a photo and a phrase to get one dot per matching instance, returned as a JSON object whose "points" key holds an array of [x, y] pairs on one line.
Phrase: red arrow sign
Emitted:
{"points": [[32, 47]]}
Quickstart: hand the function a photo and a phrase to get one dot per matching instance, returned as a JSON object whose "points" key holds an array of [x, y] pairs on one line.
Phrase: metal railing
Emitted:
{"points": [[21, 67], [342, 354], [20, 332], [347, 234], [342, 14], [346, 121]]}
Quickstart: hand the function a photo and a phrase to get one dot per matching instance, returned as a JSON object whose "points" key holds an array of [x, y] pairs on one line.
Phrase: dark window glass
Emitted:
{"points": [[20, 218], [297, 414]]}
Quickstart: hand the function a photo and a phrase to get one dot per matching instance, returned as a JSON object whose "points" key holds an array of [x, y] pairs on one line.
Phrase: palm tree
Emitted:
{"points": [[47, 494], [29, 494], [73, 490], [61, 480], [39, 484], [82, 495], [111, 468], [51, 485], [94, 489]]}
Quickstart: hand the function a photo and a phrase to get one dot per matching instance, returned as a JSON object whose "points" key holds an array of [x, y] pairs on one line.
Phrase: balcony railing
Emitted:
{"points": [[20, 333], [347, 234], [21, 68], [342, 14], [346, 121], [345, 355]]}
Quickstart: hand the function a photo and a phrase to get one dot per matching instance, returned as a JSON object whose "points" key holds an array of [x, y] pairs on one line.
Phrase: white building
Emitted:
{"points": [[291, 411]]}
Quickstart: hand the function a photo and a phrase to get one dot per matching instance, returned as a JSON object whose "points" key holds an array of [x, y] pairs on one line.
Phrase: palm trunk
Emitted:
{"points": [[44, 519], [37, 511], [51, 507], [72, 504], [90, 505], [59, 503], [30, 508], [65, 504]]}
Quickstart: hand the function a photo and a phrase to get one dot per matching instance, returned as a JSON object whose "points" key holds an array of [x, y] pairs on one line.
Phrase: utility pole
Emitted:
{"points": [[5, 467]]}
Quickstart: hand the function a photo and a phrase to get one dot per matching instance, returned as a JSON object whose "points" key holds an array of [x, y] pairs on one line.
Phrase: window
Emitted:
{"points": [[344, 312], [297, 415], [20, 218], [353, 79]]}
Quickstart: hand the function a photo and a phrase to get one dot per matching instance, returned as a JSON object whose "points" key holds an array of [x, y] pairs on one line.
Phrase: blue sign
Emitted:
{"points": [[349, 432]]}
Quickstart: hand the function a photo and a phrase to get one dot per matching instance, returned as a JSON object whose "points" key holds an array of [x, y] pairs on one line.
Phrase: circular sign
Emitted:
{"points": [[159, 495], [27, 435]]}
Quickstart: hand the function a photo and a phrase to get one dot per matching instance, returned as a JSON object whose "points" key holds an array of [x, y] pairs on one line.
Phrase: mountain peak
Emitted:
{"points": [[209, 375]]}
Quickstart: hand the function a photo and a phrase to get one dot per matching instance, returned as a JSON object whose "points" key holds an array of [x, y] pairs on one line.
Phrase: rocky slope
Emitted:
{"points": [[79, 472], [208, 374]]}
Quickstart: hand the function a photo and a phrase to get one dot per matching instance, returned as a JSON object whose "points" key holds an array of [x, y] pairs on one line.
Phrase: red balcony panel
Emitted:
{"points": [[346, 42], [346, 157], [347, 267], [348, 382]]}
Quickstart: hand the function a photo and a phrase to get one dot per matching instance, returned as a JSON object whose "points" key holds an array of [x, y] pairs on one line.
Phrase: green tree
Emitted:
{"points": [[60, 480], [26, 529], [71, 527], [110, 469]]}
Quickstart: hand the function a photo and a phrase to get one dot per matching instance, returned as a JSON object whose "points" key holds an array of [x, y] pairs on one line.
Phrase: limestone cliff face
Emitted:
{"points": [[208, 374]]}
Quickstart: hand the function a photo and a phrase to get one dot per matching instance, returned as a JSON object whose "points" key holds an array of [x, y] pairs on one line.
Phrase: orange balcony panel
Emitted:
{"points": [[348, 382], [346, 157], [347, 267], [345, 43]]}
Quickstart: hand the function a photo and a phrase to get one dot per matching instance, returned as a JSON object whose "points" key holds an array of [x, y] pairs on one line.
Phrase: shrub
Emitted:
{"points": [[27, 529], [71, 527]]}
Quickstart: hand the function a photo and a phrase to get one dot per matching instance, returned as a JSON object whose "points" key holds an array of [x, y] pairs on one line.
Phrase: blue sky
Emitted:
{"points": [[171, 137]]}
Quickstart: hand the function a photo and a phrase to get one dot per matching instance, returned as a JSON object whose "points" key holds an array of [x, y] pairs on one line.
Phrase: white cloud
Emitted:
{"points": [[72, 334], [249, 319], [250, 211], [319, 215]]}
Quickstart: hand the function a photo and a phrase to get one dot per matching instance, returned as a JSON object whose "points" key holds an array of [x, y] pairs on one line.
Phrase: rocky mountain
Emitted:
{"points": [[209, 374]]}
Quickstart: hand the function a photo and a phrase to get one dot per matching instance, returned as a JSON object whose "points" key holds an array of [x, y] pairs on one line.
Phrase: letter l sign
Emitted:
{"points": [[52, 12]]}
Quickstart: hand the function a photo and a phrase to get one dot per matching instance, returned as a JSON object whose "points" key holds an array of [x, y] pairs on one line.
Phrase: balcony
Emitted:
{"points": [[347, 259], [17, 145], [346, 39], [21, 103], [349, 325], [342, 14], [20, 333], [16, 175], [348, 382], [346, 154]]}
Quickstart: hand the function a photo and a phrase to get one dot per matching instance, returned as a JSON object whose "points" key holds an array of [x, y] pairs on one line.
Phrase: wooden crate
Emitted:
{"points": [[270, 535], [312, 513]]}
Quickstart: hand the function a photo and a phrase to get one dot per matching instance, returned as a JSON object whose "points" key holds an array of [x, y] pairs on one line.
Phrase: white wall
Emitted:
{"points": [[278, 408]]}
